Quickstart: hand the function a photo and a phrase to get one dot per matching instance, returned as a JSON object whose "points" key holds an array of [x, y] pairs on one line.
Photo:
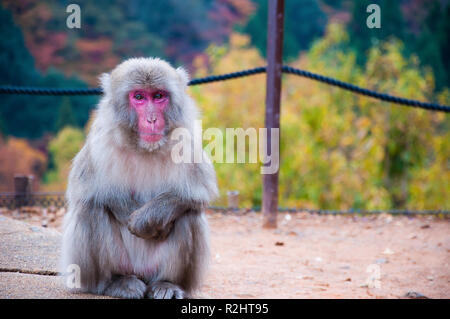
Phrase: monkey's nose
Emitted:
{"points": [[152, 119]]}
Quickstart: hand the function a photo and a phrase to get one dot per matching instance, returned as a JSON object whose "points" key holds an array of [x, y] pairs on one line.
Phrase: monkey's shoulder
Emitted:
{"points": [[82, 165]]}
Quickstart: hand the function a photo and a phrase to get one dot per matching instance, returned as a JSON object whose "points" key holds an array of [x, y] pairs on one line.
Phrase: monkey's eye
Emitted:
{"points": [[139, 96], [158, 96]]}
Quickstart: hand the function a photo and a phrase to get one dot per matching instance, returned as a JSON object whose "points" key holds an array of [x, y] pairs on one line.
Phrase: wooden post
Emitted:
{"points": [[233, 200], [22, 189], [273, 94]]}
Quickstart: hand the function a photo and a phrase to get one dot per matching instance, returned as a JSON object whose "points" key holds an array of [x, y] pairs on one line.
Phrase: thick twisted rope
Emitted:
{"points": [[228, 76], [366, 92], [239, 74], [48, 91]]}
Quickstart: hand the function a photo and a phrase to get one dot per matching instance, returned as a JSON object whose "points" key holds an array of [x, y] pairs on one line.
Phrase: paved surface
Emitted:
{"points": [[28, 248], [308, 256], [29, 286], [28, 262]]}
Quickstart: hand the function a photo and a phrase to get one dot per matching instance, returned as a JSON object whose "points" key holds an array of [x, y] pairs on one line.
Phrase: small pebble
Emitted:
{"points": [[381, 261], [35, 229], [415, 295]]}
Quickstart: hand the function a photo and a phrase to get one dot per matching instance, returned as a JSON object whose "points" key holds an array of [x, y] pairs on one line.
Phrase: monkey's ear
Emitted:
{"points": [[183, 75], [105, 82]]}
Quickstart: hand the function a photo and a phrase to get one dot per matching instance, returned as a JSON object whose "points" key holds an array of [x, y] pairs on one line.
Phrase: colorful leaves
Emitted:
{"points": [[338, 150]]}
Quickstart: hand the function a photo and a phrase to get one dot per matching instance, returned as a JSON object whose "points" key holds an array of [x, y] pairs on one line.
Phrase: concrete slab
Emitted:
{"points": [[30, 286], [28, 262], [28, 248]]}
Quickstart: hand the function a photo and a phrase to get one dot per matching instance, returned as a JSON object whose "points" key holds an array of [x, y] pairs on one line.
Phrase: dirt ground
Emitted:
{"points": [[312, 256]]}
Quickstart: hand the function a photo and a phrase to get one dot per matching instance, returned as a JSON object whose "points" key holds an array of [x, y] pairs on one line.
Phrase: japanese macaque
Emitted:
{"points": [[135, 224]]}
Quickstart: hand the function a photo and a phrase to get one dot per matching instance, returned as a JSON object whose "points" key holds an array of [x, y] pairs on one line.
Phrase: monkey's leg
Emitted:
{"points": [[92, 241], [165, 290], [129, 287], [185, 259]]}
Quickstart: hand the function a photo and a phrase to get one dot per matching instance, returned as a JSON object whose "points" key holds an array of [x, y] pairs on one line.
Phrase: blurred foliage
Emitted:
{"points": [[115, 30], [422, 25], [338, 150], [32, 116], [66, 116], [17, 156], [237, 103], [62, 148], [180, 31], [304, 21]]}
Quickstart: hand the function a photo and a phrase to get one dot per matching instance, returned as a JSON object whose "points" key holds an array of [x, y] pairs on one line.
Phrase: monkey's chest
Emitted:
{"points": [[123, 204]]}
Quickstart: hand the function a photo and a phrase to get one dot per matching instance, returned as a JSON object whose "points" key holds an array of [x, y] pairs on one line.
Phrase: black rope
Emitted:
{"points": [[362, 91], [98, 91], [48, 91], [228, 76], [244, 73]]}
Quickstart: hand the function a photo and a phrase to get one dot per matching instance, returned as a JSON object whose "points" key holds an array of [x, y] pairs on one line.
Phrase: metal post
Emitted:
{"points": [[273, 94]]}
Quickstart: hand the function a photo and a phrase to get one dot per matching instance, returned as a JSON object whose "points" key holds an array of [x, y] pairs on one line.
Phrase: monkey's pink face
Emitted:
{"points": [[149, 106]]}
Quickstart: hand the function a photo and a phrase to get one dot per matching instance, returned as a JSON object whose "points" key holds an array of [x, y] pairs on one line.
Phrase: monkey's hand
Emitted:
{"points": [[155, 220], [149, 227]]}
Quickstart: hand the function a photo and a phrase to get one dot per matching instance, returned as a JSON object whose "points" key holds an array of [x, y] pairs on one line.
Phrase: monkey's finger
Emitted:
{"points": [[168, 294], [159, 293], [160, 234], [179, 294], [155, 292], [165, 232]]}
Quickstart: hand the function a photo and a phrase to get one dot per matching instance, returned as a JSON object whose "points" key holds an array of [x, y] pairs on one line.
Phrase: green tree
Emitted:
{"points": [[432, 45], [338, 150], [66, 116], [16, 68], [62, 149], [430, 42], [32, 116], [303, 22], [362, 37]]}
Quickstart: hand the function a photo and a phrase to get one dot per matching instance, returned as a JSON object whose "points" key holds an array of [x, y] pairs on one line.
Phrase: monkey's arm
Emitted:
{"points": [[156, 218]]}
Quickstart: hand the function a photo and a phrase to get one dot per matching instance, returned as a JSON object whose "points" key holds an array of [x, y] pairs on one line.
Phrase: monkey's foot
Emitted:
{"points": [[129, 287], [165, 290]]}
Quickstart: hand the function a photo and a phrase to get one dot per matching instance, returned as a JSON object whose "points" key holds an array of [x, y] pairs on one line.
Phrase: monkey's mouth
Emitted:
{"points": [[151, 137]]}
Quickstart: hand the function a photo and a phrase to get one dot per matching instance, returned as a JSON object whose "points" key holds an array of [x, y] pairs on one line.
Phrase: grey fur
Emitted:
{"points": [[135, 224], [148, 222], [126, 287], [165, 290]]}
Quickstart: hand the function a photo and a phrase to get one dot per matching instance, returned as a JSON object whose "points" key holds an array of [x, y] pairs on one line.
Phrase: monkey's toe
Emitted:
{"points": [[129, 287], [165, 290]]}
